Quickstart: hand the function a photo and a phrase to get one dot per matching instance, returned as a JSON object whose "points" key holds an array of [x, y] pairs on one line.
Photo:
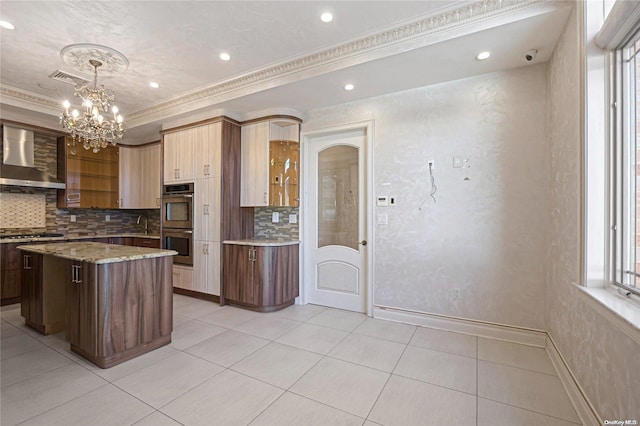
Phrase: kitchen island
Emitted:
{"points": [[114, 302]]}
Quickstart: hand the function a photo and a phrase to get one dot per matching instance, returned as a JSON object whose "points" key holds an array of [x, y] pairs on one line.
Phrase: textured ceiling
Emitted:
{"points": [[283, 56]]}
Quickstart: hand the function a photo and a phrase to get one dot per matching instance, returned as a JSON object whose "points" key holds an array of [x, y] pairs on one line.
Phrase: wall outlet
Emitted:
{"points": [[72, 218], [293, 218], [431, 165], [107, 218], [392, 200], [383, 219], [275, 217]]}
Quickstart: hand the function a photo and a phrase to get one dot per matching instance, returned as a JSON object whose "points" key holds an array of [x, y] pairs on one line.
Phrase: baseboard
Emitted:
{"points": [[520, 335], [585, 410]]}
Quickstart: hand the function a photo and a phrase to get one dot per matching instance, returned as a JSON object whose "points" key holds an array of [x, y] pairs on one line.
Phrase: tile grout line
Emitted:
{"points": [[390, 374]]}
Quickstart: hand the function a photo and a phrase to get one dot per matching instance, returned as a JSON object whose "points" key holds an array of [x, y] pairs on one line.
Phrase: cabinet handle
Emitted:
{"points": [[176, 173], [205, 209], [78, 280], [265, 197], [206, 170], [250, 255], [26, 261], [205, 248], [157, 202], [73, 274]]}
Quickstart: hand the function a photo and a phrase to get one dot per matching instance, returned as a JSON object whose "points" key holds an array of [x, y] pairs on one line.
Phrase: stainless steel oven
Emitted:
{"points": [[177, 206], [177, 221], [180, 240]]}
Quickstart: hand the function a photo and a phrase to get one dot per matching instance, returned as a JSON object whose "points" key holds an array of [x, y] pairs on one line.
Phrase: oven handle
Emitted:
{"points": [[188, 232]]}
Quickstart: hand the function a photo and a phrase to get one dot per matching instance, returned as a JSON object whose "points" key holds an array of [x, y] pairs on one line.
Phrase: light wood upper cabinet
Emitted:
{"points": [[178, 156], [207, 150], [255, 165], [270, 165], [140, 177]]}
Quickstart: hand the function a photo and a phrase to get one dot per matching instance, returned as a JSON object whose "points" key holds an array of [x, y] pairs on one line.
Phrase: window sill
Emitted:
{"points": [[621, 311]]}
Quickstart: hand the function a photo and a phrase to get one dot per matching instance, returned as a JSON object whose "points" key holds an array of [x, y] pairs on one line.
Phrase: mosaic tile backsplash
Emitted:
{"points": [[22, 210], [283, 230]]}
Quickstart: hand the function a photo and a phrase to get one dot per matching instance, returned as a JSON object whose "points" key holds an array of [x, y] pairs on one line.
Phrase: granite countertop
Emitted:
{"points": [[96, 252], [4, 239], [262, 242]]}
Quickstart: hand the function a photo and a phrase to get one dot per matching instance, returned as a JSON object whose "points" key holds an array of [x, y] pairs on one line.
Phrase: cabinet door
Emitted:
{"points": [[129, 178], [178, 156], [80, 315], [150, 177], [207, 150], [32, 296], [238, 273], [183, 277], [10, 271], [254, 182], [206, 200], [213, 268]]}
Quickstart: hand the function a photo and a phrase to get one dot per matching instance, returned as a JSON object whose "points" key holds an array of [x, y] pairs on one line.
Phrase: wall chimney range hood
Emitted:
{"points": [[17, 167]]}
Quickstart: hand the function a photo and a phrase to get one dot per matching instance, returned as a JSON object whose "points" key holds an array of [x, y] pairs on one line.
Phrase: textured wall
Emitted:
{"points": [[87, 221], [604, 360], [486, 234]]}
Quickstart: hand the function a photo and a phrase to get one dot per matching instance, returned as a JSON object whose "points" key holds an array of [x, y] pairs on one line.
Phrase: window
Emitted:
{"points": [[627, 166]]}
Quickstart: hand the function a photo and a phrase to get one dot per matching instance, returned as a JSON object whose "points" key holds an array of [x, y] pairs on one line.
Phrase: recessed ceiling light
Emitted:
{"points": [[225, 56], [154, 85], [483, 55], [326, 17], [7, 25], [348, 86]]}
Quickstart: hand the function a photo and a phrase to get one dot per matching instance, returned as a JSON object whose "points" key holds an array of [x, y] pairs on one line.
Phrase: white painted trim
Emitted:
{"points": [[583, 406], [525, 336], [368, 126]]}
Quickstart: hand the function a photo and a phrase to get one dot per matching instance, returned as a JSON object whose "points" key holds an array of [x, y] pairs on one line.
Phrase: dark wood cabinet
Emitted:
{"points": [[262, 278], [31, 307], [11, 268], [117, 311], [79, 296]]}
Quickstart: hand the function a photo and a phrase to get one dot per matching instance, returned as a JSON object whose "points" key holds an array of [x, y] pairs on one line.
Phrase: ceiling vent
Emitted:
{"points": [[65, 77]]}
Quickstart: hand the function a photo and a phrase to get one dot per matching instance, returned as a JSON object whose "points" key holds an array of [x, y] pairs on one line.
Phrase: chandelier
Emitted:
{"points": [[89, 125]]}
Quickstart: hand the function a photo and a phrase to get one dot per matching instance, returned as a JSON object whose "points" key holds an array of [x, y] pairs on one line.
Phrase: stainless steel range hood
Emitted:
{"points": [[17, 161]]}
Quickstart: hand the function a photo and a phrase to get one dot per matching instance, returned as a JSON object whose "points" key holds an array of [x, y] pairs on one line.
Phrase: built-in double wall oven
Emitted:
{"points": [[177, 221]]}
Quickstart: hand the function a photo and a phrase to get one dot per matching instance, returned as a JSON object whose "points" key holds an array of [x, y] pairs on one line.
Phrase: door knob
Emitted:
{"points": [[363, 242]]}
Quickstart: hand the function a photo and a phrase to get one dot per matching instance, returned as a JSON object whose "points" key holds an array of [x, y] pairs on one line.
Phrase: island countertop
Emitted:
{"points": [[93, 252]]}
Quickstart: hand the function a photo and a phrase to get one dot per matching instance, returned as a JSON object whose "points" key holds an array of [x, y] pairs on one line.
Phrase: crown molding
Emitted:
{"points": [[429, 30]]}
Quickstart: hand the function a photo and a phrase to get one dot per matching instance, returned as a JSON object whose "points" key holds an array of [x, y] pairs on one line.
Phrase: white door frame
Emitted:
{"points": [[305, 277]]}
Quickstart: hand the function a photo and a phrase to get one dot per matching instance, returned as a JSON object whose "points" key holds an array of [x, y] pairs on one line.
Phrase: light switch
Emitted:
{"points": [[72, 218], [293, 218], [107, 218], [275, 217]]}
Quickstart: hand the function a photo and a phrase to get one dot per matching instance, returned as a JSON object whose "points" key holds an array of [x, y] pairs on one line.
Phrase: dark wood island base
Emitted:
{"points": [[114, 304]]}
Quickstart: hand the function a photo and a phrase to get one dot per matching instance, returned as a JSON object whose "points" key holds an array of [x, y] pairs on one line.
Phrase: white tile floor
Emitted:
{"points": [[305, 365]]}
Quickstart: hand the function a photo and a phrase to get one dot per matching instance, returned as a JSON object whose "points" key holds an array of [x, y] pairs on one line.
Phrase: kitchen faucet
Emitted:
{"points": [[146, 224]]}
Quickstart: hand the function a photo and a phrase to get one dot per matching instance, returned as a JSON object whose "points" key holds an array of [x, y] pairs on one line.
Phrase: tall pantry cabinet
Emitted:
{"points": [[208, 154]]}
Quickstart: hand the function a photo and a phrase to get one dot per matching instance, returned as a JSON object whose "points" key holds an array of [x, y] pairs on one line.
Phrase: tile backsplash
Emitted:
{"points": [[22, 210], [283, 230]]}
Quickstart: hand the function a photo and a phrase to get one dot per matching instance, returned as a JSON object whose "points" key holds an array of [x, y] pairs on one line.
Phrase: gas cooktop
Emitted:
{"points": [[21, 236]]}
